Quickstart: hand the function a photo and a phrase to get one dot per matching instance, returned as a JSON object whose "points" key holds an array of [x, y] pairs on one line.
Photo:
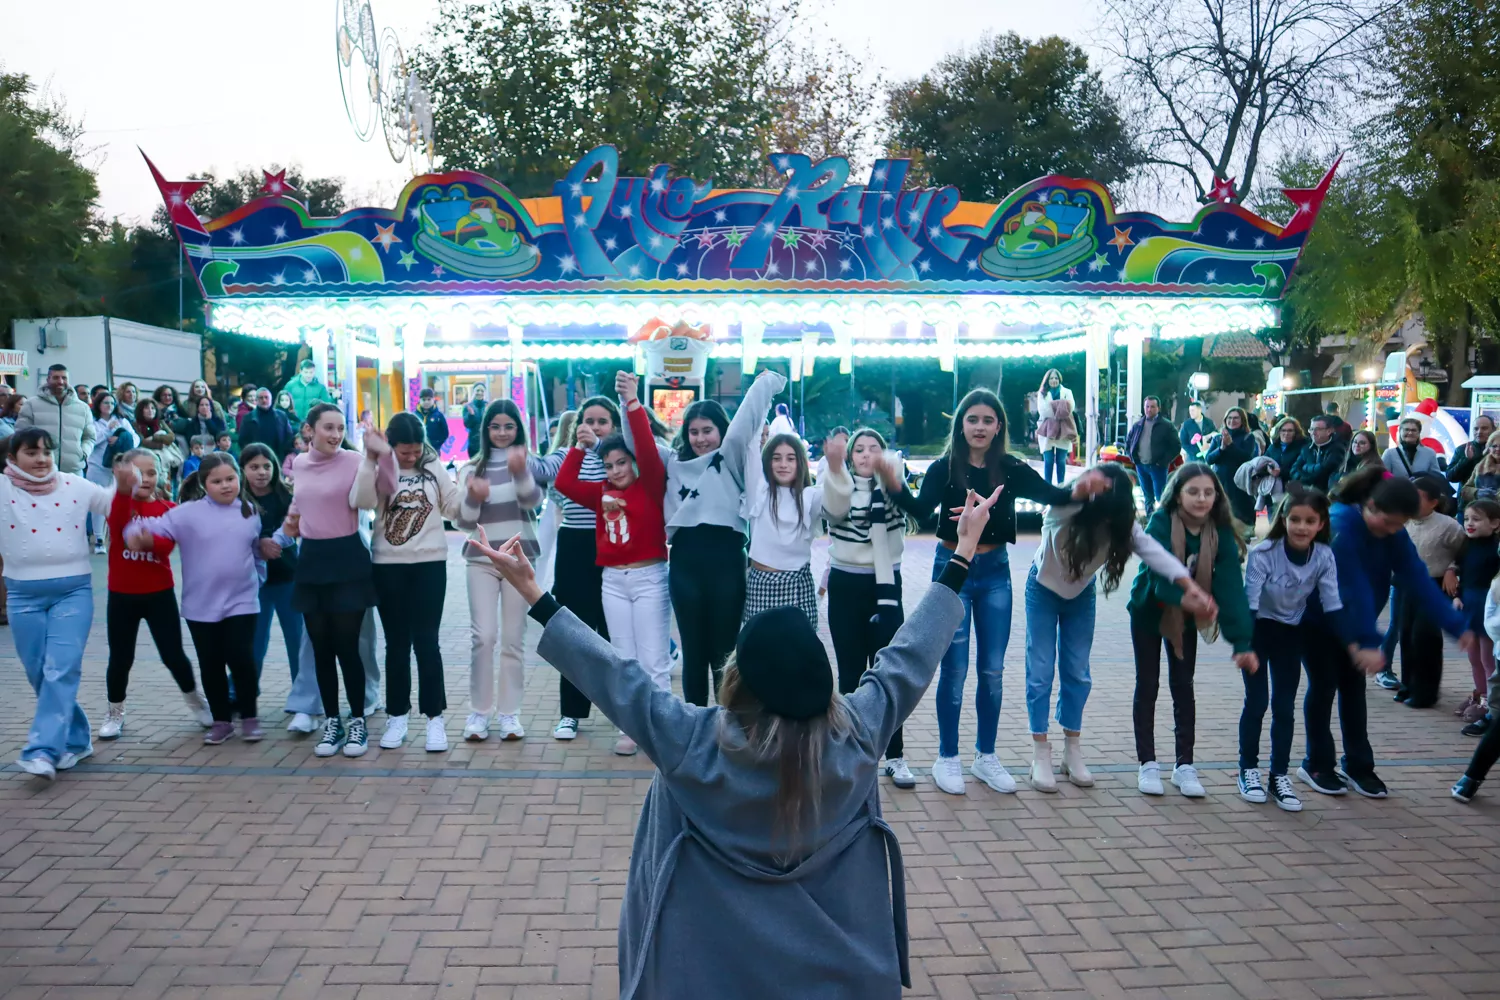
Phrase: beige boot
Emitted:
{"points": [[1073, 765], [1041, 777]]}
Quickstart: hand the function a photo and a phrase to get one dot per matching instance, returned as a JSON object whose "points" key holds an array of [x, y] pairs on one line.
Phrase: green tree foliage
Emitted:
{"points": [[47, 195], [1011, 110]]}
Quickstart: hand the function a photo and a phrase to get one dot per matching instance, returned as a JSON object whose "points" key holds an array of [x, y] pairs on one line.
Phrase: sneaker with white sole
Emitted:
{"points": [[948, 775], [70, 760], [1185, 777], [1284, 794], [358, 740], [566, 729], [395, 732], [477, 727], [900, 775], [625, 746], [510, 727], [988, 769], [99, 547], [302, 723], [39, 767], [1251, 790], [1073, 765], [437, 735], [1368, 785], [1040, 776], [1149, 779], [333, 738], [114, 721], [198, 705]]}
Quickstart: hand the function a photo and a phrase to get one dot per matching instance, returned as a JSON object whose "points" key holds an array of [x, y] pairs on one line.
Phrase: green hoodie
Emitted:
{"points": [[1150, 591], [306, 395]]}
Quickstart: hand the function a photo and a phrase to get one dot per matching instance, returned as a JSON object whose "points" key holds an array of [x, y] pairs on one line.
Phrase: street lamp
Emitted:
{"points": [[1199, 381], [1288, 383], [1369, 374]]}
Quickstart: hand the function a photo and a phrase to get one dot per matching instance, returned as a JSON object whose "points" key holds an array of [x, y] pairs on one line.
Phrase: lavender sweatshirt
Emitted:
{"points": [[220, 551]]}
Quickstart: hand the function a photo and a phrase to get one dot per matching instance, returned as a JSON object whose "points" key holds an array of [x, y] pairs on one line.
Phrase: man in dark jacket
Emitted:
{"points": [[434, 421], [266, 425], [1469, 455], [1152, 445], [1324, 455], [1195, 430]]}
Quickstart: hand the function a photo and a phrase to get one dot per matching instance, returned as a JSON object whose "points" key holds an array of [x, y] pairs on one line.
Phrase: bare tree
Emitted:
{"points": [[1213, 83]]}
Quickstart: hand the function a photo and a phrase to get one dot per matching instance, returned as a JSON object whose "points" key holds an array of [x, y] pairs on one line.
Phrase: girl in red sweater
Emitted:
{"points": [[631, 534], [140, 589]]}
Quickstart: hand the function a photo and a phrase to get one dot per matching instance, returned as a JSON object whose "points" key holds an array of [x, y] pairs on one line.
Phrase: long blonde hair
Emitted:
{"points": [[794, 746], [567, 424]]}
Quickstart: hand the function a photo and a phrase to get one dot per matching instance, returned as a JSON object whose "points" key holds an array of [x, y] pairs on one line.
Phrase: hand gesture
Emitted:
{"points": [[1091, 483], [972, 519], [1450, 584], [586, 438], [512, 563], [376, 445], [890, 475], [836, 451], [269, 550], [1196, 602], [138, 538], [127, 477], [627, 386], [1369, 661], [291, 525], [479, 489], [1248, 662], [515, 461]]}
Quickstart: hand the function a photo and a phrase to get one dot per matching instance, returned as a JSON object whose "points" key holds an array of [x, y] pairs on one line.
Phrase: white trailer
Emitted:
{"points": [[101, 350]]}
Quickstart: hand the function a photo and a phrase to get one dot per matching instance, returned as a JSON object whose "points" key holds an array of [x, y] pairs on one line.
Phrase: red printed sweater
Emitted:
{"points": [[633, 528], [137, 572]]}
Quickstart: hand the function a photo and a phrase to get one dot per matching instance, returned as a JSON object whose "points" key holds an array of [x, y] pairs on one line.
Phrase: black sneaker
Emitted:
{"points": [[359, 739], [1367, 785], [1478, 727], [1388, 680], [333, 738], [1251, 790], [1322, 781], [1465, 789], [1283, 794]]}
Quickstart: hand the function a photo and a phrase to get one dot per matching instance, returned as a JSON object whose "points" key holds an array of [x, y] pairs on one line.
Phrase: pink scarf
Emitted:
{"points": [[23, 480]]}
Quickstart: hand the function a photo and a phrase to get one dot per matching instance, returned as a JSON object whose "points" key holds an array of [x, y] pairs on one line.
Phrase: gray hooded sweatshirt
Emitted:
{"points": [[708, 910]]}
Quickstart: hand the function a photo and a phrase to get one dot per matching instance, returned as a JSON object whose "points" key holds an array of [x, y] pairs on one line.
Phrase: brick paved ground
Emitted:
{"points": [[163, 868]]}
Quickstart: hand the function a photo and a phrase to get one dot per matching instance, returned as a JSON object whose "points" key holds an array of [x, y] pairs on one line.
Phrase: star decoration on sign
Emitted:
{"points": [[407, 259], [773, 269], [236, 236], [610, 243], [567, 263], [682, 270], [1260, 241], [1122, 238], [706, 240], [278, 231], [1233, 236], [1222, 191], [845, 265], [1211, 276], [1097, 264], [733, 238], [717, 461], [1308, 202], [817, 238], [972, 264], [810, 267], [385, 236], [310, 276], [414, 214], [279, 278], [790, 238], [1073, 271], [924, 265], [275, 184], [437, 270], [720, 215]]}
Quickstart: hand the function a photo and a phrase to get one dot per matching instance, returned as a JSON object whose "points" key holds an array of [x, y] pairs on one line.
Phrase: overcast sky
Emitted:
{"points": [[202, 85]]}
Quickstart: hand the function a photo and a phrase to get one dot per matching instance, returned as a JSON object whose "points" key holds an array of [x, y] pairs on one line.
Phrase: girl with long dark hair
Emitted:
{"points": [[1194, 523], [411, 494], [1078, 540], [1057, 424], [784, 507], [976, 460], [264, 483], [704, 499]]}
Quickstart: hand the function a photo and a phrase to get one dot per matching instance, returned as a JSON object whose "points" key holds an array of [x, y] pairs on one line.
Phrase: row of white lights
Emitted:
{"points": [[619, 350]]}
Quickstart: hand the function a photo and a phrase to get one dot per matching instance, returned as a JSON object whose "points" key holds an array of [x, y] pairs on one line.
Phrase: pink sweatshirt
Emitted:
{"points": [[325, 495]]}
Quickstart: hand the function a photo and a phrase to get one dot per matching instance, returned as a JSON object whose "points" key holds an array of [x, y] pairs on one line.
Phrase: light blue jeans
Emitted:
{"points": [[276, 601], [50, 621], [1059, 630], [987, 598]]}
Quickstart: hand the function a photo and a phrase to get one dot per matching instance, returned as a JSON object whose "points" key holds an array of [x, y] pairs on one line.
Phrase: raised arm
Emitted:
{"points": [[590, 495], [652, 469], [748, 420]]}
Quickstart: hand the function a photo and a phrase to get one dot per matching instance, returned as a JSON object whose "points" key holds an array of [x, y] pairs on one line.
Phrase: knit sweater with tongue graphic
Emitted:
{"points": [[410, 506]]}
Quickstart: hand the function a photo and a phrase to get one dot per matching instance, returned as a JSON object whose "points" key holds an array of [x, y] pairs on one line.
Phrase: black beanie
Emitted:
{"points": [[784, 664]]}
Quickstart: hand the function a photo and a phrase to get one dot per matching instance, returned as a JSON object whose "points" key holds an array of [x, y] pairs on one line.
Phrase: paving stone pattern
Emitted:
{"points": [[166, 869]]}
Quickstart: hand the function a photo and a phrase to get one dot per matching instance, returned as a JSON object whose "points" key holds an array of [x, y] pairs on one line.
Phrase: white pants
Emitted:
{"points": [[638, 611], [487, 591]]}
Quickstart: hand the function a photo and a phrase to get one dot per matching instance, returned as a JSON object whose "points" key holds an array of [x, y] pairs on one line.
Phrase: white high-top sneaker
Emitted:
{"points": [[114, 721]]}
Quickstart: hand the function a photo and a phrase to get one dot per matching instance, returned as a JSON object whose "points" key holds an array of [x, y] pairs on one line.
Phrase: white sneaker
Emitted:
{"points": [[510, 728], [437, 735], [198, 705], [395, 732], [39, 767], [1073, 765], [625, 746], [1185, 777], [988, 769], [1251, 790], [302, 723], [567, 729], [99, 547], [68, 761], [114, 721], [478, 727], [1040, 776], [899, 773], [1149, 781], [948, 775]]}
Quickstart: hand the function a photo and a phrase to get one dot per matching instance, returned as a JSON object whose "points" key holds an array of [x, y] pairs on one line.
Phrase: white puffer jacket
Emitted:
{"points": [[70, 423]]}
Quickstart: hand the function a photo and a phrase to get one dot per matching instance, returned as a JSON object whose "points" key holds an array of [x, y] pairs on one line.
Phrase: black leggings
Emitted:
{"points": [[1485, 754], [1421, 654], [1148, 644], [226, 649], [335, 641], [706, 578], [123, 614], [411, 610], [851, 605], [578, 584]]}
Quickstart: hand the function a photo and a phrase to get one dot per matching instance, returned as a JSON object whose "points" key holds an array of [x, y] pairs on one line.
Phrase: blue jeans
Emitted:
{"points": [[1054, 457], [50, 620], [1393, 632], [276, 601], [1058, 629], [1153, 482], [986, 597]]}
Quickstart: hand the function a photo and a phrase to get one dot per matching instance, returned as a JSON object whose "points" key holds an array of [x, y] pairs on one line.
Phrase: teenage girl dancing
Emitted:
{"points": [[264, 483]]}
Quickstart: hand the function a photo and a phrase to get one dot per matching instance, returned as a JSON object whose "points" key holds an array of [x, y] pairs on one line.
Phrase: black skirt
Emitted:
{"points": [[333, 576]]}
